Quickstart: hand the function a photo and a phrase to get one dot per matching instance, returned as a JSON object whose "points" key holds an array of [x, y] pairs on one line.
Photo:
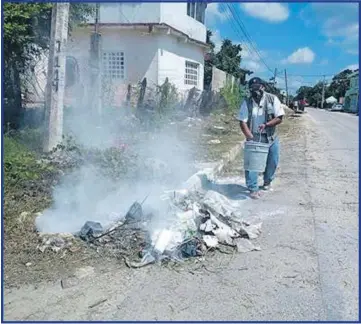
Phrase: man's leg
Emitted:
{"points": [[252, 181], [272, 162]]}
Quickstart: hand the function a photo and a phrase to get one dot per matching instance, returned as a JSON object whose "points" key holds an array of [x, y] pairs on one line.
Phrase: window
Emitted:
{"points": [[196, 10], [191, 9], [191, 75], [113, 65]]}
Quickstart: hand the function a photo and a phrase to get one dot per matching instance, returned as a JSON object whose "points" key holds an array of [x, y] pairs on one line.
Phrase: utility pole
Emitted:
{"points": [[95, 65], [323, 92], [54, 96], [286, 88], [274, 77]]}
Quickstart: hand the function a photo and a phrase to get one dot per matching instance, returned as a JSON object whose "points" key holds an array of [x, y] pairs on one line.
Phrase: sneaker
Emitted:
{"points": [[267, 187], [254, 195]]}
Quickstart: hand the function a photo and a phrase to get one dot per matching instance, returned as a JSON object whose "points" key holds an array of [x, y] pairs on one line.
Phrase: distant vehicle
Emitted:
{"points": [[301, 105], [337, 107]]}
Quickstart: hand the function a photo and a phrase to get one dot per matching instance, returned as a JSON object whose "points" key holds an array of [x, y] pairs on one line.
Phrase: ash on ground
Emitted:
{"points": [[184, 224]]}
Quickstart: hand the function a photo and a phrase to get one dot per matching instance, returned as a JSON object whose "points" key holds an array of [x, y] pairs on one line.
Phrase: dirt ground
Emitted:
{"points": [[306, 270], [25, 264]]}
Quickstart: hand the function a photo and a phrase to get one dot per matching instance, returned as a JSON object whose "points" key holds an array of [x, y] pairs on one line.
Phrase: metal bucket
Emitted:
{"points": [[255, 156]]}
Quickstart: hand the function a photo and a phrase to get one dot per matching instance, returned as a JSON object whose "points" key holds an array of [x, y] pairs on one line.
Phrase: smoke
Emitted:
{"points": [[163, 162]]}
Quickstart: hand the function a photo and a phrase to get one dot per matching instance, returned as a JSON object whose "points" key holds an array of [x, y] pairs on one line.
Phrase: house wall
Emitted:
{"points": [[354, 103], [134, 12], [140, 58], [152, 56], [354, 83], [173, 54], [175, 15], [352, 95]]}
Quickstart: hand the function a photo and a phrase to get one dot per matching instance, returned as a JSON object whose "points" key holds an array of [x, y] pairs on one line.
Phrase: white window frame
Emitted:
{"points": [[193, 10], [191, 69], [122, 71]]}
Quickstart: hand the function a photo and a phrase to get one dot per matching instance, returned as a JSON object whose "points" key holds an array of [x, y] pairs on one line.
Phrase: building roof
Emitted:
{"points": [[151, 27]]}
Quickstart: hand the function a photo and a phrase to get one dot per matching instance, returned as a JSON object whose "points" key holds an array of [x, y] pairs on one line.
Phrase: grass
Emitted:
{"points": [[28, 186], [220, 126]]}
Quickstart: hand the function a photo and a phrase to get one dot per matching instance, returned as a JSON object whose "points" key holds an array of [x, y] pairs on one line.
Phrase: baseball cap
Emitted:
{"points": [[255, 83]]}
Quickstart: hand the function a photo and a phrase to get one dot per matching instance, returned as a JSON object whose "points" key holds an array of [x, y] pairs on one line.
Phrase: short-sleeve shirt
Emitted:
{"points": [[258, 112]]}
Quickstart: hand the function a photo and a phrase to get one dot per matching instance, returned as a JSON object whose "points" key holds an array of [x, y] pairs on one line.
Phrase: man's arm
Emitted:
{"points": [[243, 118], [274, 122], [245, 130], [278, 113]]}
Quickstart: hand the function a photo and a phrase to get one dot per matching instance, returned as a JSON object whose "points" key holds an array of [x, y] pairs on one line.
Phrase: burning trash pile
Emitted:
{"points": [[188, 224]]}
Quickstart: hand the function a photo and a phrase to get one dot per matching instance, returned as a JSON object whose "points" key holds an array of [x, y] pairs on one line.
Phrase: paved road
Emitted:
{"points": [[307, 268], [343, 132], [334, 175]]}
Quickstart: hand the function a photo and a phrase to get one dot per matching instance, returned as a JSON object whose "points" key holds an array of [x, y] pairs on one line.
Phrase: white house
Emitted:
{"points": [[152, 40]]}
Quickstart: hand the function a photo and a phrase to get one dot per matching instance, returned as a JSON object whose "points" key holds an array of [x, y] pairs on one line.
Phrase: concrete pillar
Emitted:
{"points": [[54, 95]]}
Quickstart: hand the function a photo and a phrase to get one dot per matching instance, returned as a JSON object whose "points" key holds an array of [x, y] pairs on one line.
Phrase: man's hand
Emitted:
{"points": [[249, 138], [261, 127]]}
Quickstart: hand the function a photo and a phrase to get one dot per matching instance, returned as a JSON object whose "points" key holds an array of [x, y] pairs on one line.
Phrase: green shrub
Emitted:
{"points": [[20, 163], [233, 96], [31, 138]]}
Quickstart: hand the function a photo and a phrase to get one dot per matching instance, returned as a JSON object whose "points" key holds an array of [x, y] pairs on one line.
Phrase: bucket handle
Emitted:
{"points": [[260, 136]]}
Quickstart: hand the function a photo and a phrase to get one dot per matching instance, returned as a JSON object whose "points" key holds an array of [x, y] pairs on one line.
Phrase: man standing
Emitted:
{"points": [[296, 106], [259, 115]]}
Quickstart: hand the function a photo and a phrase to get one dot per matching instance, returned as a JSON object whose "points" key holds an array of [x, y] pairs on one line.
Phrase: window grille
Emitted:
{"points": [[113, 65], [191, 73]]}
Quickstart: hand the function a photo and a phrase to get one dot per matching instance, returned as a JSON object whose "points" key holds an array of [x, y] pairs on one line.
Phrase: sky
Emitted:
{"points": [[308, 40]]}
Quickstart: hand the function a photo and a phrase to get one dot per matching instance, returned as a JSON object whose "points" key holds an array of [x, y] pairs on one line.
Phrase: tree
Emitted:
{"points": [[26, 35], [271, 88], [313, 95], [339, 84], [338, 87], [227, 59], [304, 92], [209, 61]]}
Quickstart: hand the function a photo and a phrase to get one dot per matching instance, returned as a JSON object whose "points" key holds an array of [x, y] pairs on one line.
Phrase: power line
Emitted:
{"points": [[235, 29], [249, 38], [250, 45], [242, 27], [311, 75]]}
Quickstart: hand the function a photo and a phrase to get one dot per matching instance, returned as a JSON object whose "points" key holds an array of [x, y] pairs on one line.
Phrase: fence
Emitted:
{"points": [[220, 79], [144, 99]]}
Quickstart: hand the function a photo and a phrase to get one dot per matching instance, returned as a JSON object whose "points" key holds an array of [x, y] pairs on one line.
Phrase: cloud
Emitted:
{"points": [[270, 12], [216, 39], [214, 14], [302, 55], [351, 67], [339, 23], [250, 60]]}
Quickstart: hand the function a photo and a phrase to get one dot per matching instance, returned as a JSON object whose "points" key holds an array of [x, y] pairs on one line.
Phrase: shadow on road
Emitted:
{"points": [[230, 190]]}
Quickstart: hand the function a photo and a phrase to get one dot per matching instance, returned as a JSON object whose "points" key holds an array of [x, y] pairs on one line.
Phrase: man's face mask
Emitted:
{"points": [[257, 93]]}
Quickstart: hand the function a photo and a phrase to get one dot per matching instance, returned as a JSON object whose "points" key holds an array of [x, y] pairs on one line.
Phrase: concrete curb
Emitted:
{"points": [[196, 181]]}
